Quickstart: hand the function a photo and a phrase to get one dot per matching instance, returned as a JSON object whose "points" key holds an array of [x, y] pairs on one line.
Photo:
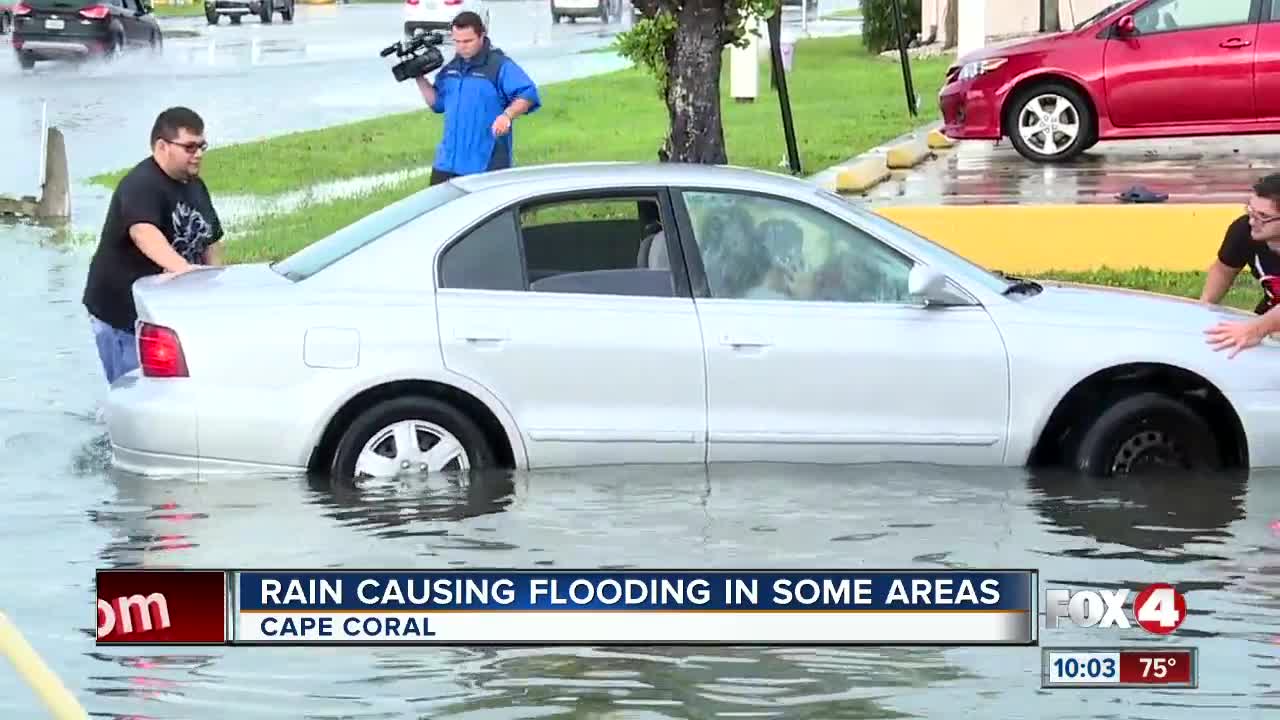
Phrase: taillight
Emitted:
{"points": [[160, 352], [452, 2], [22, 9], [410, 2], [95, 12]]}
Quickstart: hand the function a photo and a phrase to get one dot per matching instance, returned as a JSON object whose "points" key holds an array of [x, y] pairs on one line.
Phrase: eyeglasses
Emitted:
{"points": [[1260, 217], [191, 147]]}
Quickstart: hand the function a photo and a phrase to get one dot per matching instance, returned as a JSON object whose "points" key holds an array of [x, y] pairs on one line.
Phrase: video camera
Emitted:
{"points": [[419, 53]]}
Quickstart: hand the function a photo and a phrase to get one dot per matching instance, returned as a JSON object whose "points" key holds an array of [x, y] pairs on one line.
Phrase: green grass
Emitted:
{"points": [[1244, 294], [843, 101], [272, 236]]}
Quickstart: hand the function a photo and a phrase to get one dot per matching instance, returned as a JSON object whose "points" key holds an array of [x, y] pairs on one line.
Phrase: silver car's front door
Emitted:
{"points": [[816, 353]]}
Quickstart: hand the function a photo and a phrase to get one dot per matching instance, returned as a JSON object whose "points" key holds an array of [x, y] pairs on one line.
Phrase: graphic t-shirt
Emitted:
{"points": [[183, 212], [1240, 249]]}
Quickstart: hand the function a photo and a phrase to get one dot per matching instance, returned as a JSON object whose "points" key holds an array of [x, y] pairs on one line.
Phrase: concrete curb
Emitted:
{"points": [[907, 155], [861, 174]]}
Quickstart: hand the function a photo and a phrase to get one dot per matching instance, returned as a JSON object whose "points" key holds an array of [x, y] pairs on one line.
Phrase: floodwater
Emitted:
{"points": [[67, 513], [1188, 170]]}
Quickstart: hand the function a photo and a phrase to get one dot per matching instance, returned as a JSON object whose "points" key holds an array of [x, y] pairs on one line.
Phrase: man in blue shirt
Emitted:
{"points": [[480, 92]]}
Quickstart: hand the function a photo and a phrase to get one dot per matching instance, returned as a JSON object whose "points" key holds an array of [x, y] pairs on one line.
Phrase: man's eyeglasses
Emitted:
{"points": [[1260, 217], [191, 147]]}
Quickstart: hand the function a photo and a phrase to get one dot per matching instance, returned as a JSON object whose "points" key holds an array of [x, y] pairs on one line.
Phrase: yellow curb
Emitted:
{"points": [[938, 141], [907, 154], [61, 704], [862, 175], [1037, 238]]}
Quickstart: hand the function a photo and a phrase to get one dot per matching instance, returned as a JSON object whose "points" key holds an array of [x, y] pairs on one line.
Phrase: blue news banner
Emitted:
{"points": [[652, 607]]}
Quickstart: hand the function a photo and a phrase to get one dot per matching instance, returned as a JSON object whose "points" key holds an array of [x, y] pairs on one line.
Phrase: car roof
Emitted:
{"points": [[596, 174]]}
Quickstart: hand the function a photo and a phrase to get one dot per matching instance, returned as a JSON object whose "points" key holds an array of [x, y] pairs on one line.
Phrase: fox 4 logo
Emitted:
{"points": [[1158, 609]]}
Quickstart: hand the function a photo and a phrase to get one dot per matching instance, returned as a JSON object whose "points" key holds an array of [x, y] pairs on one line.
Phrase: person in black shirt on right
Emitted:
{"points": [[160, 220], [1253, 239]]}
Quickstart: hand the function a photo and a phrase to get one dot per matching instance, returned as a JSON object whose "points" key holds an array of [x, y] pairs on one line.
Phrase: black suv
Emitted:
{"points": [[58, 29]]}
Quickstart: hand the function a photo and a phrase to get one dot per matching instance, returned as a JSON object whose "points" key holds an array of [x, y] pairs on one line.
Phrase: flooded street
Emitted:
{"points": [[67, 513]]}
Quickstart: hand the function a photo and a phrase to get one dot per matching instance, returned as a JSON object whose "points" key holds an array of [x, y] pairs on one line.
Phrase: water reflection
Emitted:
{"points": [[390, 509], [1152, 518]]}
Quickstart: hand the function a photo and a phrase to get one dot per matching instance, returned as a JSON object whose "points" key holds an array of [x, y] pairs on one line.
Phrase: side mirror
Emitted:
{"points": [[1125, 26], [931, 286]]}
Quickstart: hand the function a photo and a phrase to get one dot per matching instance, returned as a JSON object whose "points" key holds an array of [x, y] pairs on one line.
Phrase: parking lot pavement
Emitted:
{"points": [[1196, 170]]}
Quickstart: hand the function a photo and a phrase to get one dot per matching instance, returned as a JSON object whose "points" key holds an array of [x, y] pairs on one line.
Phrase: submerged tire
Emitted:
{"points": [[1143, 432], [414, 434]]}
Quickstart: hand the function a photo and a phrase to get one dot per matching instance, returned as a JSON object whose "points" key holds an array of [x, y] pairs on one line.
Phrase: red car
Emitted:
{"points": [[1138, 69]]}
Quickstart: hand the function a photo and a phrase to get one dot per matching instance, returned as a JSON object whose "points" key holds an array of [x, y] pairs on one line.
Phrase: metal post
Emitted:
{"points": [[780, 75], [44, 144], [907, 85]]}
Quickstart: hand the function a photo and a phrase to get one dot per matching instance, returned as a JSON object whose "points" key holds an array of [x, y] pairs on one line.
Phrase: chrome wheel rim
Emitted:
{"points": [[411, 447], [1049, 124]]}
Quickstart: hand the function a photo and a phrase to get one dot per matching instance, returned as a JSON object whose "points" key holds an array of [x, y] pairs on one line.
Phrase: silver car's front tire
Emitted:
{"points": [[411, 435]]}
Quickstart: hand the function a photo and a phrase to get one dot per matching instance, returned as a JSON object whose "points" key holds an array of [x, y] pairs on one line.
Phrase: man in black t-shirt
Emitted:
{"points": [[160, 220], [1252, 240]]}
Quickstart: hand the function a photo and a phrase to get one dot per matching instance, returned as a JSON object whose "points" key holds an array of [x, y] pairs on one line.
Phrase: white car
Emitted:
{"points": [[600, 313], [427, 15]]}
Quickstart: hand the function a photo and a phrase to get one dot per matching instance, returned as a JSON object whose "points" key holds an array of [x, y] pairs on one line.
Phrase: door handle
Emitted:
{"points": [[740, 343], [1234, 43], [482, 336]]}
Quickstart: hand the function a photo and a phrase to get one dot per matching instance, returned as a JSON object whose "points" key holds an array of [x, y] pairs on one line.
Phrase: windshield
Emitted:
{"points": [[328, 250], [1100, 14]]}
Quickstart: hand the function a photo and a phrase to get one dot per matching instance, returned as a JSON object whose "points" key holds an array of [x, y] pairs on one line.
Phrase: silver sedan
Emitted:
{"points": [[666, 313]]}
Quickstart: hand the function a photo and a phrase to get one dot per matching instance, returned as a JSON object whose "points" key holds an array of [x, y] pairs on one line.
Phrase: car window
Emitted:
{"points": [[1170, 15], [598, 245], [330, 249], [486, 258], [756, 247]]}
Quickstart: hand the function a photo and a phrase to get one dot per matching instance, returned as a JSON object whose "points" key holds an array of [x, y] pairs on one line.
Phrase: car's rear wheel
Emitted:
{"points": [[1050, 122], [116, 51], [286, 13], [211, 14], [411, 435], [1147, 432], [264, 12], [26, 60]]}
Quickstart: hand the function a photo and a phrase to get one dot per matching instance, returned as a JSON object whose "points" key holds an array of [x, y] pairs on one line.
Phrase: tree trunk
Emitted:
{"points": [[696, 129]]}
